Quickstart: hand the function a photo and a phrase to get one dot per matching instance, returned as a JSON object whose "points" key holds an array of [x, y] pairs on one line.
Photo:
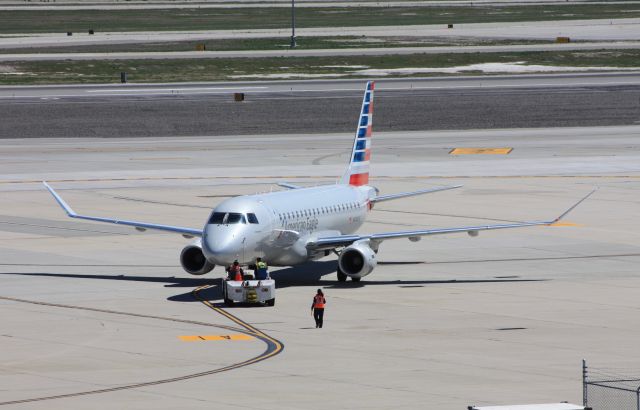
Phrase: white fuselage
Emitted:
{"points": [[277, 226]]}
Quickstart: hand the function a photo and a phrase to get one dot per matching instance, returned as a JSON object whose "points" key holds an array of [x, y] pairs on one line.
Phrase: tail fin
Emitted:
{"points": [[358, 171]]}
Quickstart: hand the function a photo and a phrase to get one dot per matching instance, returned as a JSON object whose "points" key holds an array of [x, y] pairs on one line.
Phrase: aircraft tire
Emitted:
{"points": [[356, 279], [342, 277]]}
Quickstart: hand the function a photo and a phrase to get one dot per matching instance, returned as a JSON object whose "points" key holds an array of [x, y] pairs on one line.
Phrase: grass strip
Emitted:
{"points": [[277, 43], [45, 21], [180, 70]]}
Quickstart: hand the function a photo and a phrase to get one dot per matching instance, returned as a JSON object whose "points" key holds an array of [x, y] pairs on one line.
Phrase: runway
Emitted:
{"points": [[444, 323], [591, 30], [183, 110]]}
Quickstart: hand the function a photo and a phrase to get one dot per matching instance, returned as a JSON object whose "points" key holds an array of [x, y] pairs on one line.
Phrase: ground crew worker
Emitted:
{"points": [[261, 269], [236, 271], [317, 307]]}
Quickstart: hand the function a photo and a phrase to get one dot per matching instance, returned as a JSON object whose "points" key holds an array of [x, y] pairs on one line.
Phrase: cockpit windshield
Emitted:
{"points": [[217, 218], [226, 218], [235, 218]]}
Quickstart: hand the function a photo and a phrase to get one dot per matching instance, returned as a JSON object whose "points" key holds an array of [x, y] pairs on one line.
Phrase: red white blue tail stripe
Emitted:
{"points": [[358, 172]]}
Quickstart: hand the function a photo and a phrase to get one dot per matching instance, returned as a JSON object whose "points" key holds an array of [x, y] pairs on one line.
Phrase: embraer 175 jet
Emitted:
{"points": [[299, 224]]}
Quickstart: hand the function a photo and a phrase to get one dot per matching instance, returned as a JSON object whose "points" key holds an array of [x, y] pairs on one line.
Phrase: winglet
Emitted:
{"points": [[565, 213], [60, 201]]}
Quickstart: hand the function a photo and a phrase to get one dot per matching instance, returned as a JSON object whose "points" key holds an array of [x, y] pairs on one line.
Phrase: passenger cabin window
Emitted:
{"points": [[253, 219]]}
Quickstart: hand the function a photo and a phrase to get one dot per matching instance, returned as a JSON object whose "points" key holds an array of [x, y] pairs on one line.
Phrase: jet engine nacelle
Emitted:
{"points": [[193, 260], [357, 260]]}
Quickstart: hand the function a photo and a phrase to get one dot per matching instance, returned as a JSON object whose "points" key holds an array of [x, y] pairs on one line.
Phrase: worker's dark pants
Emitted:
{"points": [[318, 315]]}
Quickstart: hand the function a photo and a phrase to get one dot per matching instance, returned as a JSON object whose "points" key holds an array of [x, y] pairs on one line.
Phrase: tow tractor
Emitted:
{"points": [[254, 291]]}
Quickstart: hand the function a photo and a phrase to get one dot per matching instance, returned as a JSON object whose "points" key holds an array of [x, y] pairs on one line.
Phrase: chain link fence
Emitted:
{"points": [[608, 389]]}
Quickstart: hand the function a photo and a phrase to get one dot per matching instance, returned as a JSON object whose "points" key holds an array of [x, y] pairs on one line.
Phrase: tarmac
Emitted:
{"points": [[305, 108], [93, 314]]}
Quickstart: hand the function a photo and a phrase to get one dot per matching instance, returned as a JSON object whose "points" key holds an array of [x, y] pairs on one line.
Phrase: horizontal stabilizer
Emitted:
{"points": [[288, 186], [413, 193]]}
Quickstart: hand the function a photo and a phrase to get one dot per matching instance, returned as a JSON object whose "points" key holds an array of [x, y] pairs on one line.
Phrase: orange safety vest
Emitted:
{"points": [[237, 273], [318, 302]]}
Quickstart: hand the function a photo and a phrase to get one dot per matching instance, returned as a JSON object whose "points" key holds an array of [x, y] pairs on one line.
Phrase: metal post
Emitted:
{"points": [[638, 398], [293, 23], [584, 384]]}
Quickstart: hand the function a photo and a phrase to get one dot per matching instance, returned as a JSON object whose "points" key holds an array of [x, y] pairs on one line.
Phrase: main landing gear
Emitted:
{"points": [[342, 277]]}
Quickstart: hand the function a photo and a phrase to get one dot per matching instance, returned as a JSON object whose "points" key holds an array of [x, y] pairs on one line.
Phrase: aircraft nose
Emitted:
{"points": [[219, 246]]}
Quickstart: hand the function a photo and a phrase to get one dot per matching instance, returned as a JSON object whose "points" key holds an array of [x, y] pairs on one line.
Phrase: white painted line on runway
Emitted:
{"points": [[330, 90], [175, 89]]}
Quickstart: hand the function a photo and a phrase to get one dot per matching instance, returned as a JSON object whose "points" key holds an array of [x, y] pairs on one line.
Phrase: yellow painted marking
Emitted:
{"points": [[565, 224], [158, 159], [258, 333], [473, 151], [214, 337]]}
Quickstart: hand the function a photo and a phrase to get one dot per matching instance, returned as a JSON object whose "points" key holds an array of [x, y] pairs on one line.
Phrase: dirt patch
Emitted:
{"points": [[7, 69]]}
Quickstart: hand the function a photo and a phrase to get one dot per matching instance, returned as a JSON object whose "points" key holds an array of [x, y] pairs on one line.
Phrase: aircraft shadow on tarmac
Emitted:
{"points": [[306, 275], [171, 281], [312, 274]]}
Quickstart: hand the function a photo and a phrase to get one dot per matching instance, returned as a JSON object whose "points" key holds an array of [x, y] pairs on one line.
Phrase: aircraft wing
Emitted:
{"points": [[332, 242], [381, 198], [141, 226]]}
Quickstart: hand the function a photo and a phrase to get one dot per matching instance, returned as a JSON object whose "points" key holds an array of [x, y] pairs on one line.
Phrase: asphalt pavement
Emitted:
{"points": [[316, 107], [593, 30]]}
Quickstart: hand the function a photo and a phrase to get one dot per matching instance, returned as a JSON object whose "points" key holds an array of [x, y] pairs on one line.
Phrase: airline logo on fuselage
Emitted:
{"points": [[309, 225]]}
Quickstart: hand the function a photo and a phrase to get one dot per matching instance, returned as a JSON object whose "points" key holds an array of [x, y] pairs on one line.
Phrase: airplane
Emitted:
{"points": [[300, 224]]}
